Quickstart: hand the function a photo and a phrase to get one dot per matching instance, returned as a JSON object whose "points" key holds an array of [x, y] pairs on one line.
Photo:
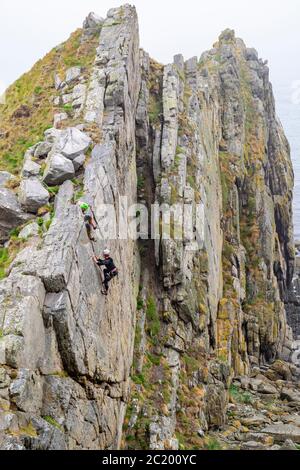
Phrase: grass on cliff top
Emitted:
{"points": [[29, 107]]}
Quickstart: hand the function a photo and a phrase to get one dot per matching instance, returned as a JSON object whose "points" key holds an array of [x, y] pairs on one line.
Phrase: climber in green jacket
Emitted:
{"points": [[89, 219]]}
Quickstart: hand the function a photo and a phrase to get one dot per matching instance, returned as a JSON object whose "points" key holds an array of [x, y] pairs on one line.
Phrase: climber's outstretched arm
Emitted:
{"points": [[98, 260]]}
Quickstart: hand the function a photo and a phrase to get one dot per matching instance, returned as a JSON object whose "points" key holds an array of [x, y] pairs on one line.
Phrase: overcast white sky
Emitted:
{"points": [[30, 28]]}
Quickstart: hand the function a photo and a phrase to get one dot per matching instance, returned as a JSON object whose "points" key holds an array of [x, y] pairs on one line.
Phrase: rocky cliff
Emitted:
{"points": [[152, 365]]}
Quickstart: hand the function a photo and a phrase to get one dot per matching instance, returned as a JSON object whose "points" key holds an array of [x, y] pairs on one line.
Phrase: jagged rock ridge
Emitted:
{"points": [[203, 133]]}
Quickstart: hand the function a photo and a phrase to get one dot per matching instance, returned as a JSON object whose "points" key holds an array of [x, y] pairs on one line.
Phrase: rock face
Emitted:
{"points": [[187, 312], [29, 230], [5, 176], [30, 169], [71, 143], [293, 302], [32, 195], [58, 169], [72, 74], [74, 365], [209, 134], [11, 213], [282, 432], [92, 21]]}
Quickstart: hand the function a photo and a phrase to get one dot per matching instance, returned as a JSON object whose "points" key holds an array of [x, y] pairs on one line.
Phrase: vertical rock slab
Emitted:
{"points": [[87, 337]]}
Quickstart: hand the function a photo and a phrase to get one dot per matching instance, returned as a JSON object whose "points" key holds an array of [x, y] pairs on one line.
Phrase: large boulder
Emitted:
{"points": [[58, 170], [72, 142], [91, 26], [30, 169], [93, 21], [290, 395], [72, 74], [42, 149], [267, 388], [57, 81], [280, 432], [32, 195], [11, 213], [30, 230], [52, 134], [79, 95], [279, 370]]}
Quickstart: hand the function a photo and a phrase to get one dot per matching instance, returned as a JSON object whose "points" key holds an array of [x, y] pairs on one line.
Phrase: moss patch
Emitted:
{"points": [[8, 254], [155, 81], [53, 422], [153, 323]]}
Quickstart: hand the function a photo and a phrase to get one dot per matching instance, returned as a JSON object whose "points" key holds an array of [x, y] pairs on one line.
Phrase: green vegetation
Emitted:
{"points": [[174, 197], [138, 337], [177, 160], [191, 363], [29, 107], [153, 324], [40, 222], [139, 379], [140, 303], [192, 182], [53, 190], [28, 430], [68, 107], [53, 422], [8, 254], [155, 79], [114, 23], [227, 177], [238, 396], [153, 388], [43, 168], [140, 182], [79, 193], [151, 377], [154, 359], [62, 374], [155, 110], [38, 90], [212, 444], [48, 223], [4, 261]]}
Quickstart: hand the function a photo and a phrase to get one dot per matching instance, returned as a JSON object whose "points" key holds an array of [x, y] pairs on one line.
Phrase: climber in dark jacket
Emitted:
{"points": [[110, 270]]}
